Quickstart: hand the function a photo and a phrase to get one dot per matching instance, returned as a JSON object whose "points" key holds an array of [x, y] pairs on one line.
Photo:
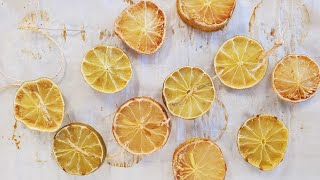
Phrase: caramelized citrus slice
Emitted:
{"points": [[106, 69], [206, 15], [296, 78], [39, 105], [188, 92], [141, 126], [238, 63], [142, 27], [79, 149], [198, 158], [262, 141]]}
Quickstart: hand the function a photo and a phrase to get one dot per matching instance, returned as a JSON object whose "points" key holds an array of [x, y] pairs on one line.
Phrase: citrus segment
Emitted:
{"points": [[296, 78], [141, 126], [206, 15], [142, 27], [39, 105], [262, 141], [188, 92], [79, 149], [239, 64], [106, 69], [198, 158]]}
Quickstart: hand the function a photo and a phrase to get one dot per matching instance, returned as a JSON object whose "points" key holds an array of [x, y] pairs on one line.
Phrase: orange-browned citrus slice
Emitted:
{"points": [[188, 92], [106, 69], [239, 64], [142, 27], [206, 15], [198, 158], [296, 78], [141, 126], [39, 105], [262, 141], [79, 149]]}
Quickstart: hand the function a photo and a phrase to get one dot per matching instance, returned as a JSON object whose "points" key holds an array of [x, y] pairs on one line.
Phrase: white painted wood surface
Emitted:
{"points": [[26, 55]]}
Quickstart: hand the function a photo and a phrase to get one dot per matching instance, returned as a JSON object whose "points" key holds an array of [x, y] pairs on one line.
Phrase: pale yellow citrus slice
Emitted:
{"points": [[296, 78], [198, 158], [106, 69], [79, 149], [39, 105], [188, 92], [206, 15], [141, 126], [262, 141], [142, 27], [239, 64]]}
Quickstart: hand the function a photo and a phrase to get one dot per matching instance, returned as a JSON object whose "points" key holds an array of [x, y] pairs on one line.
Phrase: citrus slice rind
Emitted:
{"points": [[262, 141], [198, 158], [79, 149], [238, 63], [206, 15], [106, 69], [141, 126], [39, 105], [188, 92], [142, 27], [296, 78]]}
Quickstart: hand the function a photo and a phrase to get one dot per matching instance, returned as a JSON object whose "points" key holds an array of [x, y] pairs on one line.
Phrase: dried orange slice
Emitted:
{"points": [[296, 78], [262, 141], [238, 63], [39, 105], [141, 126], [142, 27], [188, 92], [206, 15], [79, 149], [198, 158], [106, 69]]}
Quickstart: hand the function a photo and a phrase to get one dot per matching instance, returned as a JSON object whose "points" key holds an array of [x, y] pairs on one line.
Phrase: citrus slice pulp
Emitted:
{"points": [[188, 92], [79, 149], [39, 105], [142, 27], [262, 141], [106, 69], [198, 158], [141, 126], [296, 78], [239, 64]]}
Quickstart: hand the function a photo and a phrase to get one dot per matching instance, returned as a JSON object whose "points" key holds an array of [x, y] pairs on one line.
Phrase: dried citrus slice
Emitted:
{"points": [[39, 105], [238, 63], [141, 126], [262, 141], [142, 27], [198, 158], [106, 69], [188, 92], [296, 78], [79, 149], [206, 15]]}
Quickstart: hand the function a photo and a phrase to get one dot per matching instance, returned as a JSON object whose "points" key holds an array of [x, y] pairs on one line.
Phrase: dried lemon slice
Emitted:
{"points": [[79, 149], [198, 158], [262, 141], [239, 63], [188, 92], [141, 126], [106, 69], [39, 105], [142, 27], [206, 15], [296, 78]]}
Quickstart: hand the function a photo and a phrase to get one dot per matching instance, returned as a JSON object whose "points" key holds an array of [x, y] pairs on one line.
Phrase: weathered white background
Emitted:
{"points": [[25, 55]]}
